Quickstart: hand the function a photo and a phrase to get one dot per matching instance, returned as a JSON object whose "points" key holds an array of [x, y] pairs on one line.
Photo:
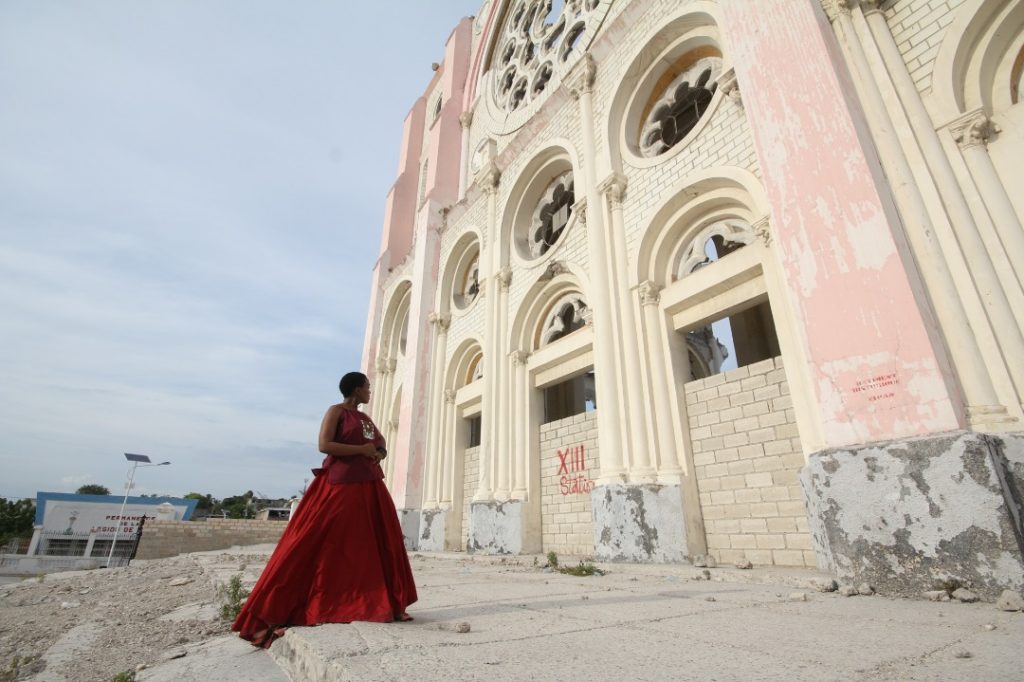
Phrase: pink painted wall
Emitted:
{"points": [[443, 156], [877, 368]]}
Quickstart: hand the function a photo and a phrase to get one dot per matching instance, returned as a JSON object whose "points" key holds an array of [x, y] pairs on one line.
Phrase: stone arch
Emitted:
{"points": [[686, 34], [396, 320], [979, 58], [455, 270], [689, 209], [464, 360], [557, 282], [528, 190]]}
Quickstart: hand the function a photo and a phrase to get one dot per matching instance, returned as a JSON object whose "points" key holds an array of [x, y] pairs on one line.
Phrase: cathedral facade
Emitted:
{"points": [[662, 279]]}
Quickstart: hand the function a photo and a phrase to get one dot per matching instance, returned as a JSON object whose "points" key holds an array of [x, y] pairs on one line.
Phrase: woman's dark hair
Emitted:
{"points": [[351, 381]]}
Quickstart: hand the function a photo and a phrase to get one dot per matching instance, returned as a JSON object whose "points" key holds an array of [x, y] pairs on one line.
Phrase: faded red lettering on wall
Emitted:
{"points": [[878, 387], [572, 467]]}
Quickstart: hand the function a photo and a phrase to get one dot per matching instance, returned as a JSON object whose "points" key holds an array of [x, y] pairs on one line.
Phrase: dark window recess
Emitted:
{"points": [[678, 116], [571, 397], [741, 339], [554, 215], [474, 432]]}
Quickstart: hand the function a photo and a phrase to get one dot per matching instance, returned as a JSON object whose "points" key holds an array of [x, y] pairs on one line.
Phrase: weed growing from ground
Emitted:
{"points": [[232, 597]]}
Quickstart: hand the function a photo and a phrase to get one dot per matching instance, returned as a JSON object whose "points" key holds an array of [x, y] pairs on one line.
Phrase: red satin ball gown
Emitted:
{"points": [[342, 557]]}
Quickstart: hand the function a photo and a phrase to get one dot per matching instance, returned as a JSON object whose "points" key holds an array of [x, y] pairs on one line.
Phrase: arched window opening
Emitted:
{"points": [[467, 281], [476, 369], [712, 243], [567, 316]]}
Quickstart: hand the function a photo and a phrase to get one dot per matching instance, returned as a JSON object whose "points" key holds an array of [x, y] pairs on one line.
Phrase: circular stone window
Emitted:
{"points": [[551, 215], [675, 108]]}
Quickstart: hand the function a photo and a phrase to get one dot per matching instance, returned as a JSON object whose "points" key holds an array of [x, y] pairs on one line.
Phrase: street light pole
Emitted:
{"points": [[135, 460]]}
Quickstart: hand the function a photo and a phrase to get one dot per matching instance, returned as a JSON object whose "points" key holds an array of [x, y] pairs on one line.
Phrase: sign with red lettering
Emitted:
{"points": [[572, 471]]}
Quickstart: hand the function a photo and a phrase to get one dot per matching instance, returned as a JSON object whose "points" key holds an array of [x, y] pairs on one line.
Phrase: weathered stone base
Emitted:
{"points": [[639, 522], [904, 515], [495, 527], [432, 527], [410, 521]]}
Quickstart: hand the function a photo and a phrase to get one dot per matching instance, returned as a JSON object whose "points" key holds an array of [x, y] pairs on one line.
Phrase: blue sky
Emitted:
{"points": [[191, 197]]}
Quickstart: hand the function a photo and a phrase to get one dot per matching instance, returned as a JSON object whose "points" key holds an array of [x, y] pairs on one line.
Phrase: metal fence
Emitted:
{"points": [[55, 543]]}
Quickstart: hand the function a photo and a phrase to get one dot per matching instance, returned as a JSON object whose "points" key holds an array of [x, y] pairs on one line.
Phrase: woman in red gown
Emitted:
{"points": [[342, 557]]}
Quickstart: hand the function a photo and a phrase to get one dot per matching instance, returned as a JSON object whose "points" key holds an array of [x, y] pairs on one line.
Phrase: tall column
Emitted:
{"points": [[440, 322], [668, 462], [982, 403], [503, 450], [489, 259], [613, 188], [609, 432], [448, 449], [465, 120], [972, 132], [825, 187], [997, 306], [521, 424]]}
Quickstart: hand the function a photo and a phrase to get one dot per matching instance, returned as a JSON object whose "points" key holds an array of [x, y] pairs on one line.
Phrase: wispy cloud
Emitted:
{"points": [[190, 205]]}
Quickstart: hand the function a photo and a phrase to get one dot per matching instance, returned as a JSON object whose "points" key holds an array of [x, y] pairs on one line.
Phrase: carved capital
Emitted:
{"points": [[489, 178], [440, 320], [391, 424], [381, 366], [614, 188], [973, 129], [519, 357], [466, 119], [504, 278], [579, 209], [649, 293], [449, 396], [763, 230], [581, 80], [870, 6], [729, 86], [836, 8], [392, 364]]}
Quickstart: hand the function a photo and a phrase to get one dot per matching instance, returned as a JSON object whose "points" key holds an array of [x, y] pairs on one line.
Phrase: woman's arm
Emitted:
{"points": [[328, 446]]}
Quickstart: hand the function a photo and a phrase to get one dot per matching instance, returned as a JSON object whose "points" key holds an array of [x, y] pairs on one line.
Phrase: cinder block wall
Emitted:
{"points": [[747, 457], [470, 481], [567, 524], [170, 538]]}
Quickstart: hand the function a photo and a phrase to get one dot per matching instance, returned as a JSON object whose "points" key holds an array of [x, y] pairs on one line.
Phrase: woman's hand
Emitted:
{"points": [[369, 451]]}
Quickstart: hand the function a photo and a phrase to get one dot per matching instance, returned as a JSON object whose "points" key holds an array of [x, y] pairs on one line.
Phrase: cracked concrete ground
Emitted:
{"points": [[637, 622]]}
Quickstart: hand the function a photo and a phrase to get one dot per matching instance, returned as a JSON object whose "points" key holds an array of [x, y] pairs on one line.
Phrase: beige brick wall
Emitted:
{"points": [[919, 27], [747, 455], [470, 481], [566, 520], [170, 538]]}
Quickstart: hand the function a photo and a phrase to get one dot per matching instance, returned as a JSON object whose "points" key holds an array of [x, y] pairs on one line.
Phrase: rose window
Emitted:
{"points": [[552, 214], [538, 37], [680, 106]]}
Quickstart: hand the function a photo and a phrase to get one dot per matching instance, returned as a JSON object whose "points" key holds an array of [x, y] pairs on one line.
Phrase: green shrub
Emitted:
{"points": [[232, 597]]}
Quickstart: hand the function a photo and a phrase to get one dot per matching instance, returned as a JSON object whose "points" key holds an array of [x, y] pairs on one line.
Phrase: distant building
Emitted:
{"points": [[668, 278], [68, 524], [274, 514]]}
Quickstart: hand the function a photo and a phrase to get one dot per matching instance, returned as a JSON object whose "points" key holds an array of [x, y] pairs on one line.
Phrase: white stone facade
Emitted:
{"points": [[812, 202]]}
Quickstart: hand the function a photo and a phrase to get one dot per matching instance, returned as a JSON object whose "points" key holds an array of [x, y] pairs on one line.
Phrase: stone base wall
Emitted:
{"points": [[639, 522], [568, 466], [169, 538], [470, 481], [747, 458], [432, 527], [905, 515], [496, 527]]}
